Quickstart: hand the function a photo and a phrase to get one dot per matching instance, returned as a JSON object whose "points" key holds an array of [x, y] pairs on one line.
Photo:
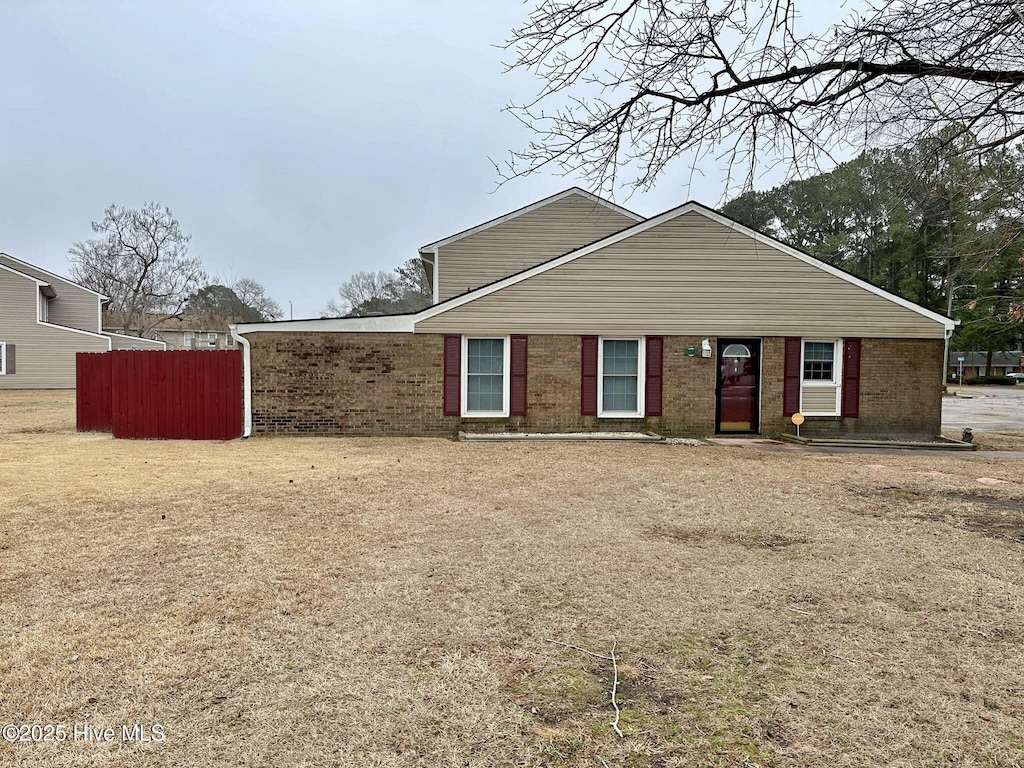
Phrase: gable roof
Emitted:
{"points": [[48, 274], [429, 248], [406, 323], [688, 207]]}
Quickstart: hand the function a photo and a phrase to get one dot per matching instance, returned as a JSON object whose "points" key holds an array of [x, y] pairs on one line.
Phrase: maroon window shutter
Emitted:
{"points": [[653, 365], [518, 374], [851, 378], [10, 360], [452, 375], [791, 377], [588, 377]]}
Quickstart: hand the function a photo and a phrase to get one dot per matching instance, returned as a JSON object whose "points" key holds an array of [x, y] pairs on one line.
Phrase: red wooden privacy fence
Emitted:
{"points": [[181, 395]]}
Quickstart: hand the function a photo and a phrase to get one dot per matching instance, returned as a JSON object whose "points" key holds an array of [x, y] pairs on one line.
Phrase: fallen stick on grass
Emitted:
{"points": [[582, 650], [614, 659], [794, 609], [615, 688]]}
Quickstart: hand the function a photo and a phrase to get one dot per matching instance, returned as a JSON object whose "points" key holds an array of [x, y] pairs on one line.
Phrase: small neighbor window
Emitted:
{"points": [[620, 369], [819, 361], [486, 381], [212, 338], [187, 338]]}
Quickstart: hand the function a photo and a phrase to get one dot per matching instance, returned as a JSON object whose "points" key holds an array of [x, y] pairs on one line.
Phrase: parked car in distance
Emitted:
{"points": [[1017, 377]]}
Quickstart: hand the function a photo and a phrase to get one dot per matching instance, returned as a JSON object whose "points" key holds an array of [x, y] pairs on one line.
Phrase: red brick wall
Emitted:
{"points": [[348, 383], [385, 383]]}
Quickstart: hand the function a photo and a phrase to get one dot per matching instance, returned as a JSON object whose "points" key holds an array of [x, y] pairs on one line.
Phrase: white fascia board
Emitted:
{"points": [[136, 338], [372, 324], [431, 248], [643, 226], [51, 274], [68, 328], [39, 283]]}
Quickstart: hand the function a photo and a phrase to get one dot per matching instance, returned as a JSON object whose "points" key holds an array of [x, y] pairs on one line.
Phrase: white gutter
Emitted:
{"points": [[246, 381]]}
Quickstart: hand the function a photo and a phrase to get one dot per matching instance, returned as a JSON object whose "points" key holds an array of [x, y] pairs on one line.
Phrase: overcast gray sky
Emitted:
{"points": [[296, 142]]}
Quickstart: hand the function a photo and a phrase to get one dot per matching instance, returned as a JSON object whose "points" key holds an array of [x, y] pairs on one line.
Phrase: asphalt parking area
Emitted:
{"points": [[984, 408]]}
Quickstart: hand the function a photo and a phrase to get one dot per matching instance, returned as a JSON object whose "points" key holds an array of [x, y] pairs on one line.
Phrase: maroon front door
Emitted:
{"points": [[739, 374]]}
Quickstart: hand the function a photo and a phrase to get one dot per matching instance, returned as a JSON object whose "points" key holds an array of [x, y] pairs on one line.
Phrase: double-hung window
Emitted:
{"points": [[485, 372], [186, 339], [821, 378], [3, 359], [620, 374]]}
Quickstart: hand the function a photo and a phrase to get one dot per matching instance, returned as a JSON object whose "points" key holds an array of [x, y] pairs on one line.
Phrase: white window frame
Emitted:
{"points": [[837, 376], [506, 378], [641, 378], [188, 339], [3, 358], [211, 338]]}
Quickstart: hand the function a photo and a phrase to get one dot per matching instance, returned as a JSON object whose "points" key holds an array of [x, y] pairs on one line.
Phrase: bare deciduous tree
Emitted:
{"points": [[254, 296], [633, 84], [141, 262], [382, 293]]}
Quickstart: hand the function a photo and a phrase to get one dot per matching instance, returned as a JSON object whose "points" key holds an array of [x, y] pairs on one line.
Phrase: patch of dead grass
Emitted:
{"points": [[388, 602]]}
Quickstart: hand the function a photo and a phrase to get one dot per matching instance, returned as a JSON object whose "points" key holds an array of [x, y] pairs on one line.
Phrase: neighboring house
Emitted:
{"points": [[45, 320], [573, 314], [190, 332], [976, 363]]}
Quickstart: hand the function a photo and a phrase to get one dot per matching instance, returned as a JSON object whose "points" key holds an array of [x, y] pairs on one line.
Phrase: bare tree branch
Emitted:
{"points": [[632, 85], [141, 262]]}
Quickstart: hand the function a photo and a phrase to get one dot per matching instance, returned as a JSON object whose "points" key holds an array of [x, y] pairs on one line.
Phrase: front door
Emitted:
{"points": [[739, 385]]}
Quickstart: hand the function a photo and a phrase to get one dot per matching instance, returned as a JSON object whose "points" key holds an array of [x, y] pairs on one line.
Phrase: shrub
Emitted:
{"points": [[989, 380]]}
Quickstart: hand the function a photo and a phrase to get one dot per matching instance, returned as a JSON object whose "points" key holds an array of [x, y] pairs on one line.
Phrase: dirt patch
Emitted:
{"points": [[997, 517], [748, 539]]}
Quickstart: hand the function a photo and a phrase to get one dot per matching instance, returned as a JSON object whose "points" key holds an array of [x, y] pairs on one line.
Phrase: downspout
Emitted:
{"points": [[945, 359], [246, 382]]}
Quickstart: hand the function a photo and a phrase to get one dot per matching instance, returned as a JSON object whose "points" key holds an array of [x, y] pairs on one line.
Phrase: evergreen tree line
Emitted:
{"points": [[934, 222]]}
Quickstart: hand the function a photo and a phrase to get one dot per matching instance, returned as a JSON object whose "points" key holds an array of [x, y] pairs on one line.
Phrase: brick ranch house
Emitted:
{"points": [[574, 314]]}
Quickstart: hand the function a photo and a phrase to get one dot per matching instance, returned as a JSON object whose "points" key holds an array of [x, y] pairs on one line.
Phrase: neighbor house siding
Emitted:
{"points": [[74, 307], [525, 241], [392, 384], [687, 276], [118, 341], [45, 354]]}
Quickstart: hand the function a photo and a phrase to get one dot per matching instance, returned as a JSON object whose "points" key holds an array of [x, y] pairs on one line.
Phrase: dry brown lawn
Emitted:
{"points": [[388, 602]]}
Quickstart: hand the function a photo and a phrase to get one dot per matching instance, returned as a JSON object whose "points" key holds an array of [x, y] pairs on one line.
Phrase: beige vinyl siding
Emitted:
{"points": [[74, 307], [45, 354], [525, 241], [689, 276], [818, 399]]}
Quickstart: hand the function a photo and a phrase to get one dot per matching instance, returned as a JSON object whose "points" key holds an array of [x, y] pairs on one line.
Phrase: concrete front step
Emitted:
{"points": [[939, 444], [495, 437]]}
